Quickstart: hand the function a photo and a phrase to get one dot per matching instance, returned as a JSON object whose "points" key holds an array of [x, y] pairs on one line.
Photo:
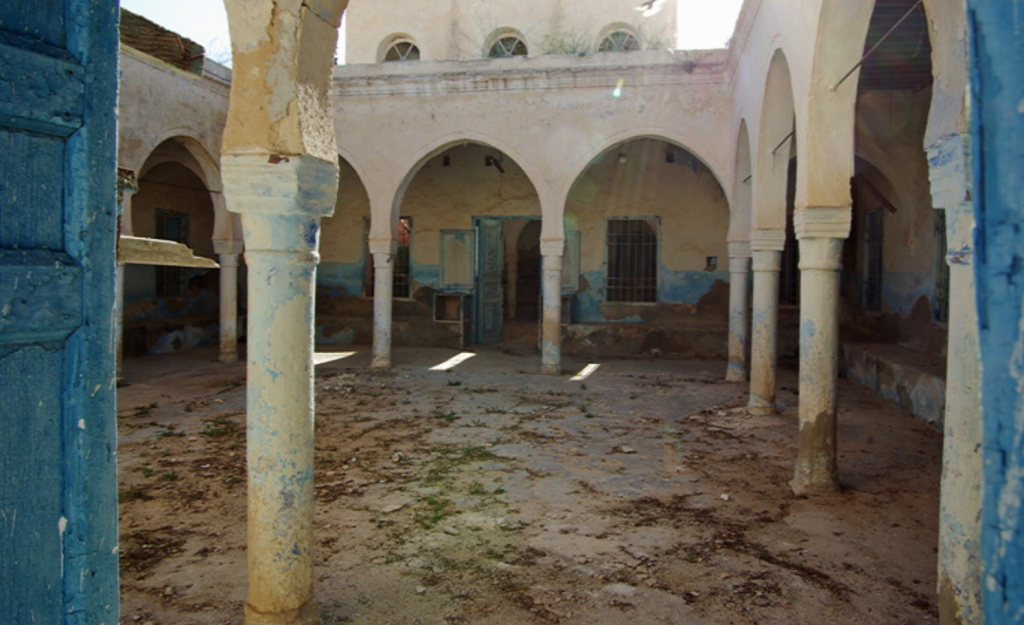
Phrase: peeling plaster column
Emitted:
{"points": [[551, 339], [959, 583], [227, 252], [280, 169], [739, 310], [383, 290], [766, 248], [281, 206], [821, 232]]}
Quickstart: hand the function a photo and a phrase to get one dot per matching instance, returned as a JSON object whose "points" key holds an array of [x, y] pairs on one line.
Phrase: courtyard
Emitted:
{"points": [[467, 488]]}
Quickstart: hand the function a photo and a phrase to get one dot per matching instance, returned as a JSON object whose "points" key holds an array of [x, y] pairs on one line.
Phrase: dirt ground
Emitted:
{"points": [[490, 494]]}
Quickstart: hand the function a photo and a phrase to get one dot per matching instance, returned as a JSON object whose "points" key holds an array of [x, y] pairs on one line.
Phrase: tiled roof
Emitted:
{"points": [[157, 41]]}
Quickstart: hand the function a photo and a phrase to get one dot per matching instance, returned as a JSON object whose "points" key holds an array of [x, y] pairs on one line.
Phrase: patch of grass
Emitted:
{"points": [[495, 410], [169, 476], [436, 509], [454, 382], [583, 386], [147, 471], [145, 410], [169, 431], [450, 417], [133, 493], [476, 488], [218, 427], [472, 453]]}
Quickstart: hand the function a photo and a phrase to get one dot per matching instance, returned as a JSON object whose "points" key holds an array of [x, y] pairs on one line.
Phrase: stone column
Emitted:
{"points": [[383, 289], [959, 583], [281, 206], [766, 247], [551, 335], [821, 232], [127, 187], [227, 252], [279, 164], [739, 310]]}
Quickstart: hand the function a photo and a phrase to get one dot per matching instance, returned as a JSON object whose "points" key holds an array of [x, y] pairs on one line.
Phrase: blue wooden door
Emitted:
{"points": [[58, 499], [490, 292]]}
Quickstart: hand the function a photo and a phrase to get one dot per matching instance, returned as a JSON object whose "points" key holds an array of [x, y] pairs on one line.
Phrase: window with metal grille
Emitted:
{"points": [[619, 41], [632, 260], [402, 50], [401, 283], [873, 226], [510, 45], [171, 226]]}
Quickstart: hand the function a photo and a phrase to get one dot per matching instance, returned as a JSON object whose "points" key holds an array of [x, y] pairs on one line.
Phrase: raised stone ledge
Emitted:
{"points": [[913, 380], [542, 73]]}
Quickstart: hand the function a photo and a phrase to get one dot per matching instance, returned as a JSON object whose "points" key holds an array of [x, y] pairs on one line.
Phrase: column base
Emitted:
{"points": [[227, 357], [759, 407], [308, 614], [551, 369], [806, 486], [381, 362], [736, 372]]}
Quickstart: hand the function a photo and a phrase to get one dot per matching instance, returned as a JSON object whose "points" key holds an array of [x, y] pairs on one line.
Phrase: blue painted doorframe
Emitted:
{"points": [[58, 499], [997, 88]]}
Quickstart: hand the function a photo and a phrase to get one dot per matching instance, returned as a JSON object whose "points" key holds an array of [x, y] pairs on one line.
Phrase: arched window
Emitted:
{"points": [[619, 41], [507, 45], [402, 50]]}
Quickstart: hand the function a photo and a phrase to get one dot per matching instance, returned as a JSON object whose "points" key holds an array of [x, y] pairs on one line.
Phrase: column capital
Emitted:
{"points": [[227, 246], [824, 254], [274, 184], [767, 260], [739, 249], [552, 247], [768, 240], [831, 222], [739, 264], [127, 183], [949, 170], [382, 246], [552, 262]]}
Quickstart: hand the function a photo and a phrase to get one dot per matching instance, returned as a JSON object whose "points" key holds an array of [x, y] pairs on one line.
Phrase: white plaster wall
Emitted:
{"points": [[691, 207], [552, 115], [158, 102], [459, 29], [343, 235]]}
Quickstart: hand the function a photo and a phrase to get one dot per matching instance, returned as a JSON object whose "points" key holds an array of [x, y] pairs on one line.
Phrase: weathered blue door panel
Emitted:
{"points": [[997, 110], [490, 292], [58, 494]]}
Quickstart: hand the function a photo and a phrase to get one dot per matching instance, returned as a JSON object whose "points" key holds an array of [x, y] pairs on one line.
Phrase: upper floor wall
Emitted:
{"points": [[465, 29], [159, 102]]}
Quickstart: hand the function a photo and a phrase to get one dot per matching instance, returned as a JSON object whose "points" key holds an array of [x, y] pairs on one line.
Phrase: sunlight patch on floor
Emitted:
{"points": [[585, 373], [320, 358], [453, 362]]}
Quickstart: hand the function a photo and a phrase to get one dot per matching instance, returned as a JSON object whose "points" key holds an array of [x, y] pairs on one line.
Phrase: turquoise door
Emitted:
{"points": [[58, 211], [490, 292]]}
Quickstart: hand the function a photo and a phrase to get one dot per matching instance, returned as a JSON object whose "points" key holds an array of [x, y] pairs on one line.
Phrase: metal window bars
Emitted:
{"points": [[632, 261]]}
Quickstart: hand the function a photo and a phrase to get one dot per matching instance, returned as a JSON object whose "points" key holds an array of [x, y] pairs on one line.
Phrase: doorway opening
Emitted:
{"points": [[508, 284]]}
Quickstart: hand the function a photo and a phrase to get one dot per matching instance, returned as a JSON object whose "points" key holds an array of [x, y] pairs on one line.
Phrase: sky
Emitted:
{"points": [[702, 23]]}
